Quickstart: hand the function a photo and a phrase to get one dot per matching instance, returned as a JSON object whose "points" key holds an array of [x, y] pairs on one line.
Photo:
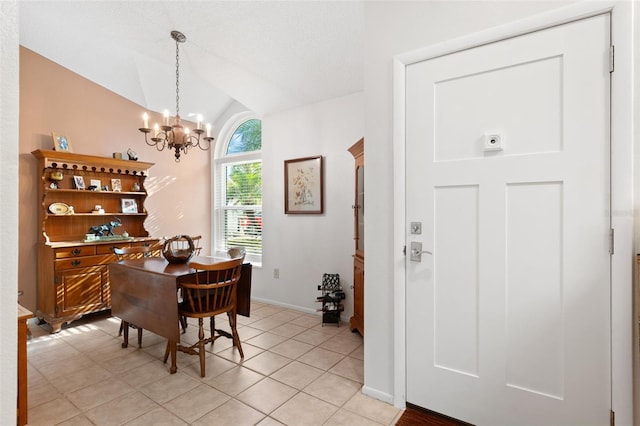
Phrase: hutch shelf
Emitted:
{"points": [[73, 278]]}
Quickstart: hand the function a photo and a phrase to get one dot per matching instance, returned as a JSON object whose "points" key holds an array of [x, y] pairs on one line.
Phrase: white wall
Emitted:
{"points": [[8, 208], [304, 246], [392, 28]]}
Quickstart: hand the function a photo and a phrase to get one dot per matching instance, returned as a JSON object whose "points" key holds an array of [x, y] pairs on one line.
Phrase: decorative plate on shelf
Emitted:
{"points": [[59, 208]]}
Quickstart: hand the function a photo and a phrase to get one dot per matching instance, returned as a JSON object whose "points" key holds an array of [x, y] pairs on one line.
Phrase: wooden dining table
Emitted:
{"points": [[144, 293]]}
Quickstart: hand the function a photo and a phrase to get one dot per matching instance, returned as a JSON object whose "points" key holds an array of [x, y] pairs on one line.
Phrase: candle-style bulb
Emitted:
{"points": [[145, 120], [208, 130]]}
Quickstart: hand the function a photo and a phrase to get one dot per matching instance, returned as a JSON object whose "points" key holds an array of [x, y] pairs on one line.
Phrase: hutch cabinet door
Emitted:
{"points": [[82, 290]]}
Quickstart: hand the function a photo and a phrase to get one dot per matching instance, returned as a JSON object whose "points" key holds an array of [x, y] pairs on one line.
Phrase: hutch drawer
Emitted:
{"points": [[66, 252], [83, 262]]}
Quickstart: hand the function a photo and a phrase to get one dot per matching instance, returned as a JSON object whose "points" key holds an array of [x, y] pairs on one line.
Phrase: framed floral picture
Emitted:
{"points": [[116, 185], [61, 142], [303, 186]]}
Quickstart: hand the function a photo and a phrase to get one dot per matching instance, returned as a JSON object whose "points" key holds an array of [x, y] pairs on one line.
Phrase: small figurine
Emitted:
{"points": [[132, 155], [107, 228]]}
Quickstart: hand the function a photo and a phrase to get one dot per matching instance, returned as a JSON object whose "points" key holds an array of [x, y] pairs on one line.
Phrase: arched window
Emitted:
{"points": [[238, 187]]}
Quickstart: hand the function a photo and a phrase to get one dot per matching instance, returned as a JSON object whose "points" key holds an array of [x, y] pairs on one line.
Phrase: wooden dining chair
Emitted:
{"points": [[210, 292], [134, 252], [196, 242]]}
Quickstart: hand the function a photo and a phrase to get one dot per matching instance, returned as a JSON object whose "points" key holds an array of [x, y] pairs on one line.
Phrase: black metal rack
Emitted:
{"points": [[331, 299]]}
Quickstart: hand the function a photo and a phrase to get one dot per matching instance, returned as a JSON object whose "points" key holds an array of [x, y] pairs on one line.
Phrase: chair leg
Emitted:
{"points": [[121, 327], [201, 351], [212, 327], [183, 323], [234, 332]]}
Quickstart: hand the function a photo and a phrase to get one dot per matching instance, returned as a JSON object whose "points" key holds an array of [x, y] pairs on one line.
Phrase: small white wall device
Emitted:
{"points": [[493, 142]]}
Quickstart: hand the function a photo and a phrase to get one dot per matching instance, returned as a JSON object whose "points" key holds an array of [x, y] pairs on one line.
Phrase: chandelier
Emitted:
{"points": [[175, 136]]}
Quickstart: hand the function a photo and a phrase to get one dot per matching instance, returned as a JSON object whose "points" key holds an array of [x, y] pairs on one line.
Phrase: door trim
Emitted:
{"points": [[622, 166]]}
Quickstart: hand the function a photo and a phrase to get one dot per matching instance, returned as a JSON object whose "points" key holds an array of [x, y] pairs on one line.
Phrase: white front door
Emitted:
{"points": [[507, 159]]}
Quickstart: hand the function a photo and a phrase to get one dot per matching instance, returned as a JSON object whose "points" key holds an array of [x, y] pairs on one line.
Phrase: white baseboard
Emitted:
{"points": [[293, 307], [374, 393]]}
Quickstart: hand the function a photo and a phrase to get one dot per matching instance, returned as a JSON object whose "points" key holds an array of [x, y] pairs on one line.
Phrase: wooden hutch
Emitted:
{"points": [[357, 320], [73, 278]]}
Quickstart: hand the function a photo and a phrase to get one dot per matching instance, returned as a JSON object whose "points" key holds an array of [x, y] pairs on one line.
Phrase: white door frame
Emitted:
{"points": [[622, 162]]}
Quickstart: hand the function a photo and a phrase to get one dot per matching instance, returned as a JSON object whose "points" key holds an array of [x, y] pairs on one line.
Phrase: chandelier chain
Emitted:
{"points": [[177, 79]]}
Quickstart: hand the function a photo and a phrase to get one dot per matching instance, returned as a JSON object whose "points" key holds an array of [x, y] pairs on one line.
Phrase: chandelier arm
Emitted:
{"points": [[146, 139], [206, 140], [191, 140], [158, 141]]}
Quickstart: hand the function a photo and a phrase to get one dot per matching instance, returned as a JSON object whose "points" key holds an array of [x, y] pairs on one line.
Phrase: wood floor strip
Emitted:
{"points": [[415, 415]]}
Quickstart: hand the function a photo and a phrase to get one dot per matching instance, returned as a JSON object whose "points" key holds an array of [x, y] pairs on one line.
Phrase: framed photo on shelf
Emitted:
{"points": [[96, 185], [303, 186], [78, 182], [116, 185], [129, 205], [61, 143]]}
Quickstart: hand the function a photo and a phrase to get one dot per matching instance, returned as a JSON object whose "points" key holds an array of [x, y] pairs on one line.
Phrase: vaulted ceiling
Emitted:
{"points": [[267, 55]]}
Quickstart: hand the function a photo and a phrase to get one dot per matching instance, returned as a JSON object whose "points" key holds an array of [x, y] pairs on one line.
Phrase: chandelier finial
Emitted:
{"points": [[176, 136]]}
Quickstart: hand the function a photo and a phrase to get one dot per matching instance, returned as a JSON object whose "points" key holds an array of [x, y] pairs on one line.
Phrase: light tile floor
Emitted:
{"points": [[295, 372]]}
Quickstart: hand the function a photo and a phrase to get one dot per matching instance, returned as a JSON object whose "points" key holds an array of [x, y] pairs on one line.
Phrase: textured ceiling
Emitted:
{"points": [[268, 55]]}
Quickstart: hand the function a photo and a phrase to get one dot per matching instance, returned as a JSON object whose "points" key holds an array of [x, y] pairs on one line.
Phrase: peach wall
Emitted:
{"points": [[99, 122]]}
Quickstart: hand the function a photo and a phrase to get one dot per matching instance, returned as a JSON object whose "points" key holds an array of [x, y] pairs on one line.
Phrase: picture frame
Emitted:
{"points": [[304, 185], [116, 185], [95, 184], [78, 181], [129, 205], [61, 143]]}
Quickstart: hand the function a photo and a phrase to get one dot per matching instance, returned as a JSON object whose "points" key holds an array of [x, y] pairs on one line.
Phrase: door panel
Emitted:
{"points": [[508, 318]]}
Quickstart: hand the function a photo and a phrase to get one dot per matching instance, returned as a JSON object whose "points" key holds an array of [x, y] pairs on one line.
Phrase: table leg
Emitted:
{"points": [[125, 333], [173, 368], [172, 348]]}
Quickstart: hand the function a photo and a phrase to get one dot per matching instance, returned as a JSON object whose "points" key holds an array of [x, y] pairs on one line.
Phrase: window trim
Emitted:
{"points": [[221, 158]]}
